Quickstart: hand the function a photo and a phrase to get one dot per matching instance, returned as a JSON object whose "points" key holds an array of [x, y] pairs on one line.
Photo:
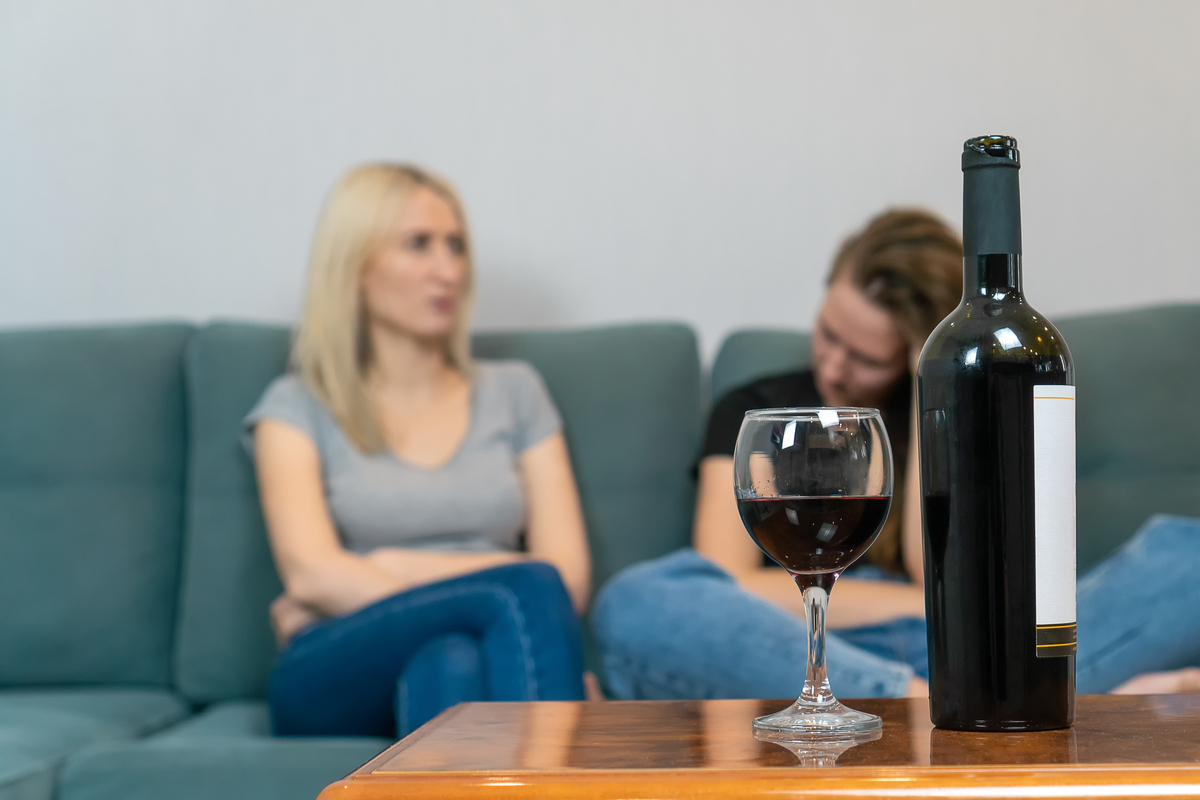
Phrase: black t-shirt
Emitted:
{"points": [[799, 390]]}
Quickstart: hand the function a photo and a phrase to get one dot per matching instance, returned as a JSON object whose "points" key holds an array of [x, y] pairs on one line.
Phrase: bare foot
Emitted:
{"points": [[591, 687], [1180, 681]]}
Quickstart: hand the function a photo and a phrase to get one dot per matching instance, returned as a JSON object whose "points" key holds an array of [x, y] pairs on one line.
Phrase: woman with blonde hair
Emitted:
{"points": [[420, 506]]}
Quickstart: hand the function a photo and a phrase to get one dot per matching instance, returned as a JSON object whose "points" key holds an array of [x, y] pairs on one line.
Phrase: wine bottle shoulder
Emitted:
{"points": [[982, 330]]}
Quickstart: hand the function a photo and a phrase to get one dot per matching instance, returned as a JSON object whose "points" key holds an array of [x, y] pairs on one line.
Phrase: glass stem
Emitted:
{"points": [[816, 590]]}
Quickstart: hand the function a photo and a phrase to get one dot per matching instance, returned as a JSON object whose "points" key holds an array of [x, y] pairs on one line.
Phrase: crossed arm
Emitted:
{"points": [[323, 579]]}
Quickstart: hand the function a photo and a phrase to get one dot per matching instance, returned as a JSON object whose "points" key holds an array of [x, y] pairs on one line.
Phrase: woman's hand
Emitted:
{"points": [[288, 617]]}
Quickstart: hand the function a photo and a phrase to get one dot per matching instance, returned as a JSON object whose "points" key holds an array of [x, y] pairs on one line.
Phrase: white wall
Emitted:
{"points": [[620, 159]]}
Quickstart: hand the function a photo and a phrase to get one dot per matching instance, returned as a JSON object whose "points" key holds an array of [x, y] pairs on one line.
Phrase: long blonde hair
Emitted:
{"points": [[332, 351]]}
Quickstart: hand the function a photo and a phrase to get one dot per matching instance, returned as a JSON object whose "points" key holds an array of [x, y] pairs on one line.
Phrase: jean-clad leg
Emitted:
{"points": [[680, 627], [905, 640], [341, 676], [1139, 611]]}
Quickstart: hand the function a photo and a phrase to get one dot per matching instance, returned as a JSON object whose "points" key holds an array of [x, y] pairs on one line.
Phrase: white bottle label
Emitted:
{"points": [[1054, 518]]}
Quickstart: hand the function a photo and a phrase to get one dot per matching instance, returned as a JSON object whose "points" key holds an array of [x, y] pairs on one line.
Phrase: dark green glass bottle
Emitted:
{"points": [[997, 432]]}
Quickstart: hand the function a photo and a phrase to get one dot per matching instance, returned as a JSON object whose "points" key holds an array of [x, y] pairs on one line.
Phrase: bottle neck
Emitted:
{"points": [[991, 229], [992, 275]]}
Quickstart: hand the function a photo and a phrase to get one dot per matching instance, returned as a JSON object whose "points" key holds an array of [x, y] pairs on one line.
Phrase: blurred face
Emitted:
{"points": [[413, 283], [858, 351]]}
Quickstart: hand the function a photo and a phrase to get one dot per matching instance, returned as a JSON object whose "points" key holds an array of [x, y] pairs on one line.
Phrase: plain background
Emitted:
{"points": [[695, 160]]}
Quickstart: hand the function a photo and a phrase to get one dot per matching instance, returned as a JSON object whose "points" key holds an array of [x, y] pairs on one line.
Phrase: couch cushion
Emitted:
{"points": [[745, 356], [1124, 362], [224, 752], [629, 396], [237, 719], [38, 729], [91, 503]]}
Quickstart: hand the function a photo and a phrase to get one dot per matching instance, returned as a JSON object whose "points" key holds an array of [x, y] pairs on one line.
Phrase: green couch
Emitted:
{"points": [[134, 571]]}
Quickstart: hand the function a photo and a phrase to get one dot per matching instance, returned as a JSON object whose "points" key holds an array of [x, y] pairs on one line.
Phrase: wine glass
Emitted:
{"points": [[814, 486]]}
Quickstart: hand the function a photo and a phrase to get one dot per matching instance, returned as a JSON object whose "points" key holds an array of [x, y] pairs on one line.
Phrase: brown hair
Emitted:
{"points": [[332, 351], [908, 262]]}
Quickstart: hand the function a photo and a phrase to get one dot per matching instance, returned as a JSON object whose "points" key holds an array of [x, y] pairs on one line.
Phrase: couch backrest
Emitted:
{"points": [[1138, 438], [745, 356], [224, 644], [1138, 435], [92, 455], [630, 399]]}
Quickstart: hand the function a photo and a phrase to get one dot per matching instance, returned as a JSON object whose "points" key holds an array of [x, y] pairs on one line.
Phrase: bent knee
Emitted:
{"points": [[1170, 525], [533, 583], [626, 609]]}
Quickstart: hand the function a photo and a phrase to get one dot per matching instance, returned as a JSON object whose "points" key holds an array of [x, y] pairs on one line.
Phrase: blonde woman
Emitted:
{"points": [[398, 479]]}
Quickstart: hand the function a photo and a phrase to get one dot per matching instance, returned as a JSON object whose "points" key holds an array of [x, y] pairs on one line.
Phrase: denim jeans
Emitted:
{"points": [[1139, 610], [507, 633], [680, 627]]}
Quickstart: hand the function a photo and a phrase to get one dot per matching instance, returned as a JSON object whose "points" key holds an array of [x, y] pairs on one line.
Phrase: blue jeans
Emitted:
{"points": [[507, 633], [680, 627], [1139, 610]]}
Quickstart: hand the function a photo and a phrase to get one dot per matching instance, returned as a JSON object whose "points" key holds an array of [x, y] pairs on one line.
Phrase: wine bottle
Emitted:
{"points": [[997, 436]]}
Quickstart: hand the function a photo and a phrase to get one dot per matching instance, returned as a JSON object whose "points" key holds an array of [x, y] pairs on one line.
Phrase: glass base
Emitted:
{"points": [[809, 721]]}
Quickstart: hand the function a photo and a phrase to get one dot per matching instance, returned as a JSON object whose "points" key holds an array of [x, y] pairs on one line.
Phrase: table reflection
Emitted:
{"points": [[717, 734], [821, 751]]}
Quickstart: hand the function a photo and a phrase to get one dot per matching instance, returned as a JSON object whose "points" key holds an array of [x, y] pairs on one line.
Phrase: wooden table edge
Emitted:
{"points": [[411, 739], [1114, 780]]}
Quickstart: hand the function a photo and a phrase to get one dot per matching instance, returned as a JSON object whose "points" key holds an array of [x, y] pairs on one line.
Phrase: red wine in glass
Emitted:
{"points": [[814, 534]]}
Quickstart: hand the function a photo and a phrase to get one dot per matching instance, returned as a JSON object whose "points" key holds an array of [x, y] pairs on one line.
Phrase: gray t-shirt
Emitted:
{"points": [[475, 501]]}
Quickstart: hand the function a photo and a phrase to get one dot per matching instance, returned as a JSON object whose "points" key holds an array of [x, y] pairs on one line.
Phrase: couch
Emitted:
{"points": [[134, 569]]}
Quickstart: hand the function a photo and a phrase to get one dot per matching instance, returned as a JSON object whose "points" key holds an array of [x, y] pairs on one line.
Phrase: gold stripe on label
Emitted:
{"points": [[1054, 641]]}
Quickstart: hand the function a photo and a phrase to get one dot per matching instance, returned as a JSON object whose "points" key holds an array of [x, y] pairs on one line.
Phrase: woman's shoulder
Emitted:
{"points": [[773, 391], [505, 368], [288, 390], [518, 388], [797, 388], [289, 399], [508, 374]]}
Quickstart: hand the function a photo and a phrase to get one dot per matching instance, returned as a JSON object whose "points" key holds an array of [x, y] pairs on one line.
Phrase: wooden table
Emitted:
{"points": [[1120, 746]]}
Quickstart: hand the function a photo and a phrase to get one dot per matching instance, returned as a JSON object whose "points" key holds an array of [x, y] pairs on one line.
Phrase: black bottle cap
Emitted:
{"points": [[991, 151]]}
